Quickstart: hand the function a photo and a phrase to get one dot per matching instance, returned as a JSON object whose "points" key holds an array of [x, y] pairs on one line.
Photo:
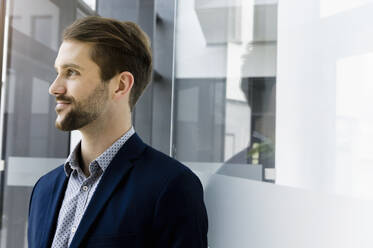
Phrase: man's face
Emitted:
{"points": [[80, 94]]}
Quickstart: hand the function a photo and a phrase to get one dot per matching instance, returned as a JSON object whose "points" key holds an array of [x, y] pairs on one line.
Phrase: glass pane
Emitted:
{"points": [[31, 144], [225, 87]]}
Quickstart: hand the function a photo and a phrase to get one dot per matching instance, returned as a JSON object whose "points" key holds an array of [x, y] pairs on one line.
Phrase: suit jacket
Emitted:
{"points": [[144, 199]]}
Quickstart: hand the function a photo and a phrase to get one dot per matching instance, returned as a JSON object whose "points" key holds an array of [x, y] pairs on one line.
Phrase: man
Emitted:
{"points": [[113, 190]]}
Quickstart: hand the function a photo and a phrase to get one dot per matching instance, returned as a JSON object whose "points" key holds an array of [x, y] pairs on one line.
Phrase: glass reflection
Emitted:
{"points": [[225, 88], [30, 143]]}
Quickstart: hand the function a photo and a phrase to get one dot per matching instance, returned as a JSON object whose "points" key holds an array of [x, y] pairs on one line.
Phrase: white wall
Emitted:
{"points": [[244, 213], [324, 97]]}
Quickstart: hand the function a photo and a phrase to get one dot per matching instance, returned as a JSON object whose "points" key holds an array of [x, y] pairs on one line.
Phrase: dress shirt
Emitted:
{"points": [[80, 190]]}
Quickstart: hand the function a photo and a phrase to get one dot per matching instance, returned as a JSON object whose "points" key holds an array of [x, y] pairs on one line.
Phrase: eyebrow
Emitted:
{"points": [[69, 66]]}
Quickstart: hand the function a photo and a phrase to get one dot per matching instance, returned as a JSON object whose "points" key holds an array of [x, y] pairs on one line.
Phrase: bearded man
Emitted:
{"points": [[113, 190]]}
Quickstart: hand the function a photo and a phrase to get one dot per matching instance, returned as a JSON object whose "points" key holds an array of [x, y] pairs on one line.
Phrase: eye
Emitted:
{"points": [[71, 72]]}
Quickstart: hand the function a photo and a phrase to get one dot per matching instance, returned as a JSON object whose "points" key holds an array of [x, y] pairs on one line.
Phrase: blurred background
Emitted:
{"points": [[269, 102]]}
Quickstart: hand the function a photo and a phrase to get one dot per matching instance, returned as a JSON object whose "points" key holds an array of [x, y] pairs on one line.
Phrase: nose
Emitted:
{"points": [[57, 87]]}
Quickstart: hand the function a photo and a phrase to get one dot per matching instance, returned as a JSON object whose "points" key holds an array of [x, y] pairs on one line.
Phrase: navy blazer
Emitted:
{"points": [[144, 199]]}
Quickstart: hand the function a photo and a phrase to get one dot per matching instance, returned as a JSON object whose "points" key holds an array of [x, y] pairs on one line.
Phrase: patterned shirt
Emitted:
{"points": [[80, 190]]}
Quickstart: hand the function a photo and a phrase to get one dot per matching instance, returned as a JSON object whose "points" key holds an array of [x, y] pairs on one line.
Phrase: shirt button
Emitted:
{"points": [[85, 188], [73, 229]]}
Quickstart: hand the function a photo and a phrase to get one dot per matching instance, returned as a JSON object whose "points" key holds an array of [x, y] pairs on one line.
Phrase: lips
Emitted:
{"points": [[61, 105]]}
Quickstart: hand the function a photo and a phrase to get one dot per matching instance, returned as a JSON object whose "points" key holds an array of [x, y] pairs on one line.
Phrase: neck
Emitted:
{"points": [[99, 136]]}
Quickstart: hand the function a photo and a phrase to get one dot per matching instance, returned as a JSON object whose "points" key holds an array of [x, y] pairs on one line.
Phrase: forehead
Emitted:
{"points": [[74, 52]]}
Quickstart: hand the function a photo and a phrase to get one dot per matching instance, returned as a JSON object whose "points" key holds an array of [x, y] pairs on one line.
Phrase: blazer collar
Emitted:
{"points": [[118, 168]]}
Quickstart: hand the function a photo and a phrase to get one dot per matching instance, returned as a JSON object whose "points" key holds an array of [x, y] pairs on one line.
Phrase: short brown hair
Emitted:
{"points": [[117, 47]]}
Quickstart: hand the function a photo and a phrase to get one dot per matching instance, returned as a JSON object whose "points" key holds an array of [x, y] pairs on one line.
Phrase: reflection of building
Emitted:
{"points": [[34, 18], [260, 149], [220, 45], [28, 118]]}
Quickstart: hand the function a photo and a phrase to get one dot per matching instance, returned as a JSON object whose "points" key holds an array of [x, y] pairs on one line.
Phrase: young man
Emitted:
{"points": [[113, 190]]}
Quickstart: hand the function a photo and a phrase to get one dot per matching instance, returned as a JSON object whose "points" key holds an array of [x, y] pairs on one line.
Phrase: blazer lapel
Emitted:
{"points": [[51, 214], [118, 168]]}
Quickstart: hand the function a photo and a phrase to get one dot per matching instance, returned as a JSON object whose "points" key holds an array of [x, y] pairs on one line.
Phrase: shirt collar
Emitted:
{"points": [[72, 162]]}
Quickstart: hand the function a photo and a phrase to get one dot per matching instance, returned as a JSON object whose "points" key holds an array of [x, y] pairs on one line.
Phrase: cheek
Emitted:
{"points": [[77, 88]]}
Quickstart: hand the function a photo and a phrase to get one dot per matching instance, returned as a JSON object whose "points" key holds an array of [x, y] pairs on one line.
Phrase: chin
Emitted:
{"points": [[61, 127], [61, 124]]}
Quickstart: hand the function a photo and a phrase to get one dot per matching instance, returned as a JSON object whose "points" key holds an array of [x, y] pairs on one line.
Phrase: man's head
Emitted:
{"points": [[101, 62]]}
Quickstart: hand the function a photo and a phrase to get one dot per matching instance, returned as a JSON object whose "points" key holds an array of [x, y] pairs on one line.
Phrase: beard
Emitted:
{"points": [[85, 111]]}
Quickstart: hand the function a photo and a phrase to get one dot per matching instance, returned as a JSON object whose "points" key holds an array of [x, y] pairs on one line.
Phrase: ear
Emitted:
{"points": [[124, 84]]}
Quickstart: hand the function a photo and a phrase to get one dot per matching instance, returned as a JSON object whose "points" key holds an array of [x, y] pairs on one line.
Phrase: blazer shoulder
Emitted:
{"points": [[180, 199], [49, 179], [166, 167]]}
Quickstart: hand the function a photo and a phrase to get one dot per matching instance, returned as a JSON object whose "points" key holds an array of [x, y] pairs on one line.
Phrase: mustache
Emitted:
{"points": [[64, 98]]}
